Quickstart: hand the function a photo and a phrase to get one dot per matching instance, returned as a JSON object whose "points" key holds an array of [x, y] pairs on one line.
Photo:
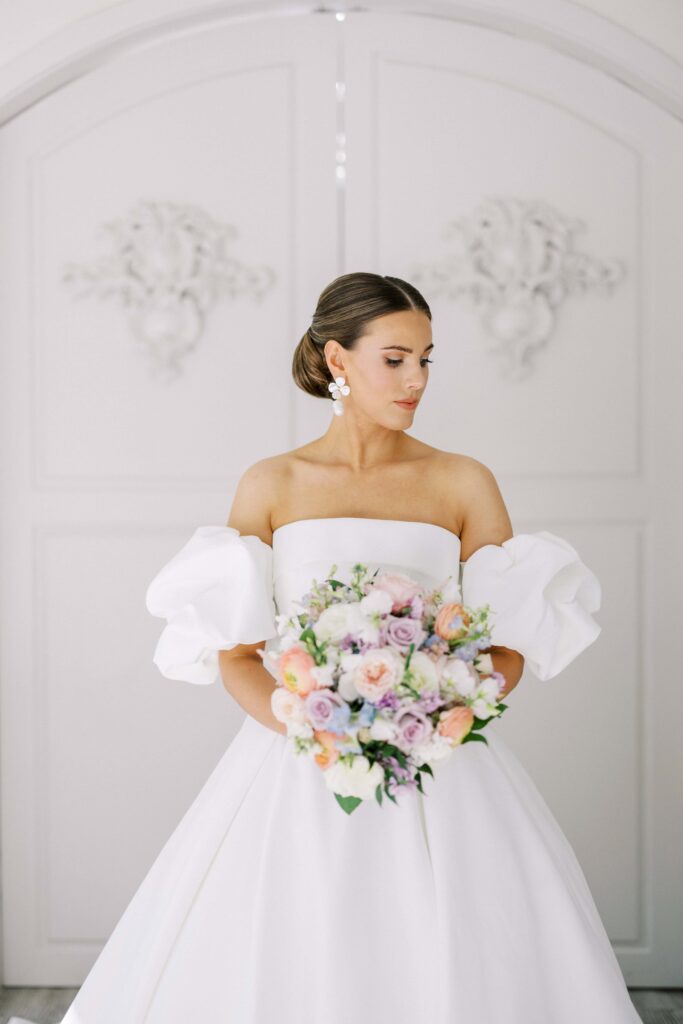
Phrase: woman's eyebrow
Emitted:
{"points": [[402, 348]]}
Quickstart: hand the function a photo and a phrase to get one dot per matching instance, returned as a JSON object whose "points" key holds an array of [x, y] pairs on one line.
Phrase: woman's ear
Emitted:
{"points": [[333, 355]]}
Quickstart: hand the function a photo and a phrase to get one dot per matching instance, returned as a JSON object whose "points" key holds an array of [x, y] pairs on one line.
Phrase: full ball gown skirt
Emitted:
{"points": [[269, 905]]}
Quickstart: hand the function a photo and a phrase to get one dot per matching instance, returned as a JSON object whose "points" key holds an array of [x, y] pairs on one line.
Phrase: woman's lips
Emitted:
{"points": [[407, 405]]}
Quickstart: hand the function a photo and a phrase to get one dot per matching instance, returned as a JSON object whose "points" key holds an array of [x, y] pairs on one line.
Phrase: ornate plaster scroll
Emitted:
{"points": [[515, 260], [167, 264]]}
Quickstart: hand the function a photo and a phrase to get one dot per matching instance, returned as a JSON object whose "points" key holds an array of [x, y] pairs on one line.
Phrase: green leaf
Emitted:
{"points": [[378, 794], [348, 803], [475, 736]]}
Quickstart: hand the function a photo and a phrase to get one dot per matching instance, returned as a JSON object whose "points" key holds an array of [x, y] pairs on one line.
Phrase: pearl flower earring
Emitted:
{"points": [[338, 387]]}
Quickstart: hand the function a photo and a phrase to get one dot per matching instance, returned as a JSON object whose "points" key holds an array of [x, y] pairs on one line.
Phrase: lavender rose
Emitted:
{"points": [[402, 632], [413, 727], [325, 708]]}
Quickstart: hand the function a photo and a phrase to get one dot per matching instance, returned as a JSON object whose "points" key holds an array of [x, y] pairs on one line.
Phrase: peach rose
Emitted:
{"points": [[455, 724], [294, 669], [378, 670], [452, 622], [400, 588], [329, 741]]}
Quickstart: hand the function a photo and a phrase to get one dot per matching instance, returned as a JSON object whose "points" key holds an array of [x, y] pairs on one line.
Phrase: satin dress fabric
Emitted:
{"points": [[269, 905]]}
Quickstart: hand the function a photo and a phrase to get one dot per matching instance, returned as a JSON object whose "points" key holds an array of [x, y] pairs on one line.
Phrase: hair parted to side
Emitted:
{"points": [[344, 309]]}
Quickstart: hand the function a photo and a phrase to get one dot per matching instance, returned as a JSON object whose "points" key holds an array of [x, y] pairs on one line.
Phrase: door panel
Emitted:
{"points": [[535, 201], [191, 184]]}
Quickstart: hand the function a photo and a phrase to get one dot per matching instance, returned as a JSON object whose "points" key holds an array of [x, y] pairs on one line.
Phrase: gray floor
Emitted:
{"points": [[48, 1005]]}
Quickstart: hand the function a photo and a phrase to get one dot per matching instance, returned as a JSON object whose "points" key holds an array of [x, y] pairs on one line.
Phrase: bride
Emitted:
{"points": [[462, 905]]}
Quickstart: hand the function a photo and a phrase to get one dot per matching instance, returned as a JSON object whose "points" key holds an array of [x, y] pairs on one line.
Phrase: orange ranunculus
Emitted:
{"points": [[455, 724], [294, 669], [452, 622], [329, 742]]}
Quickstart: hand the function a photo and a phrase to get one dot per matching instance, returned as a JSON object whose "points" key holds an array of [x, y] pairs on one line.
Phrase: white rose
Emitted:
{"points": [[425, 674], [340, 619], [458, 675], [437, 748], [357, 779], [376, 602], [382, 728], [287, 706], [334, 622]]}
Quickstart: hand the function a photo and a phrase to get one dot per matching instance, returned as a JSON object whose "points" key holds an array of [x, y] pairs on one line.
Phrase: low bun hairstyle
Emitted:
{"points": [[344, 309]]}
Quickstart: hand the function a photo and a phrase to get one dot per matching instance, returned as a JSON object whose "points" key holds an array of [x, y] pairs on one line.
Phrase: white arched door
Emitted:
{"points": [[240, 168]]}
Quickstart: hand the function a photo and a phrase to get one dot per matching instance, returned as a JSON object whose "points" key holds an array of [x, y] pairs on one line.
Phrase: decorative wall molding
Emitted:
{"points": [[168, 265], [515, 259]]}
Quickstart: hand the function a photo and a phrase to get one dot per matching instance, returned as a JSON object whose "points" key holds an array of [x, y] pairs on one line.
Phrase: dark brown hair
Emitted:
{"points": [[344, 309]]}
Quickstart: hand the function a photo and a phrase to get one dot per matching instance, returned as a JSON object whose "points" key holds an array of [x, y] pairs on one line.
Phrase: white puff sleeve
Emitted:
{"points": [[541, 595], [215, 593]]}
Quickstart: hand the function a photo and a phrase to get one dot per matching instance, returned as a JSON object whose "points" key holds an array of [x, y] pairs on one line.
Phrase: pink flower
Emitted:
{"points": [[400, 588], [294, 669], [378, 671]]}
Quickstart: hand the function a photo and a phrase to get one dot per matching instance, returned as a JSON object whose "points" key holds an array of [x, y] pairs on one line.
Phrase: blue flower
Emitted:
{"points": [[340, 719], [367, 714]]}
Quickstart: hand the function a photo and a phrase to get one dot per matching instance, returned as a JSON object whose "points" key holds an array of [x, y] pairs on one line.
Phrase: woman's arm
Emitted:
{"points": [[510, 663], [244, 675], [251, 684], [485, 520]]}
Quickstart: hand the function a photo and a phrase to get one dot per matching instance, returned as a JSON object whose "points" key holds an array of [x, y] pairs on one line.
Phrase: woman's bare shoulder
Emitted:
{"points": [[257, 494], [461, 474], [470, 471], [484, 515]]}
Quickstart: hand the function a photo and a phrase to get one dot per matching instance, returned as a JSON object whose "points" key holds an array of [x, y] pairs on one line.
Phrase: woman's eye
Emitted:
{"points": [[397, 362]]}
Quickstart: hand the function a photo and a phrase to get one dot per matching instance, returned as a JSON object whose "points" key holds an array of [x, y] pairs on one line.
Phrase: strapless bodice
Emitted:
{"points": [[223, 588], [306, 549]]}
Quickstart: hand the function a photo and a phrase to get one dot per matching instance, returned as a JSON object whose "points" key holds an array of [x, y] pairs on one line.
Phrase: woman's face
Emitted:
{"points": [[389, 364]]}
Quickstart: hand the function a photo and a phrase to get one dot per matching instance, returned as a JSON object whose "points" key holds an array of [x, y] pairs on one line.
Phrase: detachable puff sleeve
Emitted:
{"points": [[215, 593], [542, 597]]}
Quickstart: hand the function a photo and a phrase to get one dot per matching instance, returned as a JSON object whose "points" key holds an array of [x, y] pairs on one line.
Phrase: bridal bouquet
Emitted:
{"points": [[379, 678]]}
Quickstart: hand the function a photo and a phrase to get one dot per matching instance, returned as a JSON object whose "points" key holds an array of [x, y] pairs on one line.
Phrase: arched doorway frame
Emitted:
{"points": [[105, 35]]}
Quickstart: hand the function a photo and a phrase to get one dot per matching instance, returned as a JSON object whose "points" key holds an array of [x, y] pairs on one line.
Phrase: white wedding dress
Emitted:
{"points": [[269, 905]]}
